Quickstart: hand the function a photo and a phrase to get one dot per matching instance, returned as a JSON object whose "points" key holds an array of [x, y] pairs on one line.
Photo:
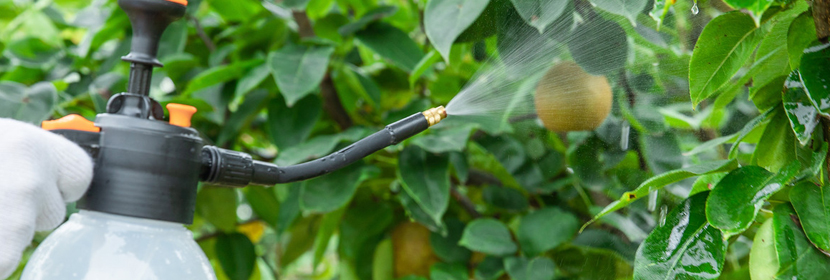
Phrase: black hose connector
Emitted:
{"points": [[237, 169]]}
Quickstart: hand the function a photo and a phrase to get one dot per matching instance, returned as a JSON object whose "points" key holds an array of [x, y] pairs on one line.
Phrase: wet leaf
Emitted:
{"points": [[685, 247], [801, 33], [583, 262], [539, 13], [545, 229], [812, 203], [800, 111], [763, 259], [391, 43], [488, 236], [755, 6], [444, 20], [815, 75], [236, 255], [601, 48], [626, 8], [659, 181], [737, 198], [425, 178], [722, 48], [538, 268], [298, 69], [797, 258]]}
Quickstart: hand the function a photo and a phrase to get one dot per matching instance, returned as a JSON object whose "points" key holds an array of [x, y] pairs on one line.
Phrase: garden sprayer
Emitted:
{"points": [[147, 171]]}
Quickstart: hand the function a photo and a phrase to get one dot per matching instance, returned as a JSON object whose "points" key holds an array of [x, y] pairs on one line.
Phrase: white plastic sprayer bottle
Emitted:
{"points": [[95, 245]]}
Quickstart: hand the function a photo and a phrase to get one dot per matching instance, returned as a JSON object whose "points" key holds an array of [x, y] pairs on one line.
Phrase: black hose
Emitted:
{"points": [[232, 168]]}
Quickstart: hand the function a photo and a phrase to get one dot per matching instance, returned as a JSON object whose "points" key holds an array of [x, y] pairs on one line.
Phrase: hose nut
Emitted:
{"points": [[435, 115]]}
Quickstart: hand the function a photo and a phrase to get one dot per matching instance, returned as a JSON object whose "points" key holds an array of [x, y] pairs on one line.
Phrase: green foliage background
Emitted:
{"points": [[292, 80]]}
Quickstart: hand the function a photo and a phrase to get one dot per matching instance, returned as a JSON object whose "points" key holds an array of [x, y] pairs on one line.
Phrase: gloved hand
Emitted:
{"points": [[39, 172]]}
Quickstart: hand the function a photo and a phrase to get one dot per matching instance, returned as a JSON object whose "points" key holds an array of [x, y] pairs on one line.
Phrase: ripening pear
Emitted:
{"points": [[569, 99], [412, 250]]}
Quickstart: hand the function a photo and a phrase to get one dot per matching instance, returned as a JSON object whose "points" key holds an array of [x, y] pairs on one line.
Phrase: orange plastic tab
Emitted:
{"points": [[183, 2], [180, 114], [73, 122]]}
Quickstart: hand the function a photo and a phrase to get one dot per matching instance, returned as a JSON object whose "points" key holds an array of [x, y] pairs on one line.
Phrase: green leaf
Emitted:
{"points": [[538, 268], [290, 208], [33, 52], [329, 224], [250, 107], [812, 203], [383, 261], [367, 18], [218, 206], [768, 95], [446, 271], [251, 80], [33, 104], [601, 47], [815, 76], [491, 268], [488, 236], [748, 128], [659, 181], [417, 213], [391, 43], [298, 69], [737, 198], [772, 51], [426, 62], [777, 145], [684, 247], [446, 247], [801, 34], [539, 13], [800, 111], [545, 229], [505, 198], [660, 10], [425, 177], [327, 27], [236, 255], [290, 126], [797, 258], [626, 8], [444, 139], [763, 259], [295, 4], [722, 48], [217, 75], [318, 146], [301, 239], [264, 203], [757, 7], [240, 10], [444, 20], [592, 263], [331, 191]]}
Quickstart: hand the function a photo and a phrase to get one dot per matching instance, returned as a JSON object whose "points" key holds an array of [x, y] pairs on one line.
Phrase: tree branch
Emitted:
{"points": [[201, 32], [331, 101], [465, 202], [821, 18]]}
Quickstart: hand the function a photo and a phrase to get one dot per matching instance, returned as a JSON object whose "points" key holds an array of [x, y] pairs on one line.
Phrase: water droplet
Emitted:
{"points": [[626, 129], [652, 201], [663, 210], [695, 10]]}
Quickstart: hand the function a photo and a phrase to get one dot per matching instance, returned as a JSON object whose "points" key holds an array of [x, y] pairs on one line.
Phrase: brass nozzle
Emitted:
{"points": [[435, 115]]}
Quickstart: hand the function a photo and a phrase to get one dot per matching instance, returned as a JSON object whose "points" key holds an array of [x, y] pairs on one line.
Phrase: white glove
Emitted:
{"points": [[39, 172]]}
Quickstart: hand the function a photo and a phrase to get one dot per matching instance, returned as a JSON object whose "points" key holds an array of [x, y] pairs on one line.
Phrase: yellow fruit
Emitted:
{"points": [[412, 252], [569, 99]]}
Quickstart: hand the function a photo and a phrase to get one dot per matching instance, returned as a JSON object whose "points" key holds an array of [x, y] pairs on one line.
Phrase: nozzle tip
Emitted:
{"points": [[435, 115]]}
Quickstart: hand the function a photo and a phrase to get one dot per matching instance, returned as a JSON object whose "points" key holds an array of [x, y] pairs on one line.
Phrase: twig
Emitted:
{"points": [[331, 101], [516, 119], [465, 202], [201, 32], [478, 177], [821, 18]]}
